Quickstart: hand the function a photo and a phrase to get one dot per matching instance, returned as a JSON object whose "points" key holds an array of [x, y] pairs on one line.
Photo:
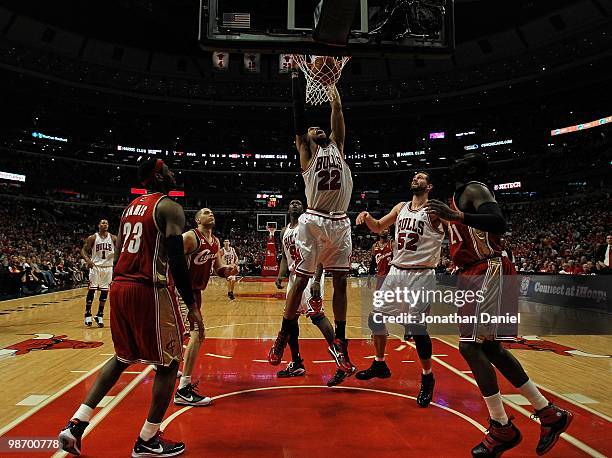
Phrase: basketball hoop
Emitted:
{"points": [[321, 73]]}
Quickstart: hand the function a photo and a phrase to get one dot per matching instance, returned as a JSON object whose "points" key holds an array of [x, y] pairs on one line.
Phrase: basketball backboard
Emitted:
{"points": [[383, 28]]}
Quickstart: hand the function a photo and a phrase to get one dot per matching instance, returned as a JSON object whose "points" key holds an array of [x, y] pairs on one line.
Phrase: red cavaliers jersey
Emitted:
{"points": [[201, 261], [469, 245], [383, 256], [142, 258]]}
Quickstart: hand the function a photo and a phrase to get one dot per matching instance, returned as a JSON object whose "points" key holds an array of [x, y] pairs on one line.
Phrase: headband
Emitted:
{"points": [[159, 164]]}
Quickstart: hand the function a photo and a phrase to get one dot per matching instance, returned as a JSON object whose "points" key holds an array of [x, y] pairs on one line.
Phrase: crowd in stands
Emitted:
{"points": [[564, 236], [40, 243]]}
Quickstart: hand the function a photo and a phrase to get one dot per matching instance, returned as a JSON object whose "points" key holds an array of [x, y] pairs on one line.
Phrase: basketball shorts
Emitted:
{"points": [[308, 305], [100, 278], [497, 281], [323, 239], [403, 294], [146, 324]]}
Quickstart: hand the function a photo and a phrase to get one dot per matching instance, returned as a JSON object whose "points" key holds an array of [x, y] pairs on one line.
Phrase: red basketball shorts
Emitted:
{"points": [[145, 324]]}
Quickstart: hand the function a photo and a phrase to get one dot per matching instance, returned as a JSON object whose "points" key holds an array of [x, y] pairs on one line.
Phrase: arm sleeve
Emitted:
{"points": [[298, 107], [178, 267], [488, 218]]}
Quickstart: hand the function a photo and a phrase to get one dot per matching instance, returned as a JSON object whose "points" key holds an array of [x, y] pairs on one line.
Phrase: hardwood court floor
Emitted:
{"points": [[38, 374]]}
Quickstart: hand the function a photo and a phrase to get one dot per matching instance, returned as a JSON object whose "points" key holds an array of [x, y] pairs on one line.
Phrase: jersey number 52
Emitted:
{"points": [[407, 241]]}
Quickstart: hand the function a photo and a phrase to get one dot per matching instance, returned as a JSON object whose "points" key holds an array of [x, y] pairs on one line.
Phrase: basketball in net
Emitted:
{"points": [[321, 73]]}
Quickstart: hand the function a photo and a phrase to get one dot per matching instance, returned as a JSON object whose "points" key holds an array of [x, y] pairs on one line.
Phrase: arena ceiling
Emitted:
{"points": [[148, 49]]}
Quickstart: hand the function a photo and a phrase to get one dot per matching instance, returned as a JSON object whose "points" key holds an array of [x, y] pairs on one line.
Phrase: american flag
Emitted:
{"points": [[237, 20]]}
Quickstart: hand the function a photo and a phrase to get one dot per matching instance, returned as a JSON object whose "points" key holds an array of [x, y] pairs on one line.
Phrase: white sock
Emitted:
{"points": [[376, 358], [426, 371], [149, 430], [185, 380], [84, 413], [533, 395], [496, 408]]}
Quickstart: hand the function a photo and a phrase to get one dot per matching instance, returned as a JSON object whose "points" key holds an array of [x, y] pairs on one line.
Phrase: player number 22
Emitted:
{"points": [[407, 241], [133, 236], [329, 181]]}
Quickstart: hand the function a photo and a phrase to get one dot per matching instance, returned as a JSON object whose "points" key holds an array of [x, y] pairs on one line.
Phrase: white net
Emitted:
{"points": [[322, 73]]}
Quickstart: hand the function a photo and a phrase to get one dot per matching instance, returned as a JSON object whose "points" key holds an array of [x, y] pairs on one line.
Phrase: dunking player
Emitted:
{"points": [[145, 321], [203, 255], [311, 303], [98, 252], [475, 226], [324, 230], [228, 253], [418, 238], [382, 253]]}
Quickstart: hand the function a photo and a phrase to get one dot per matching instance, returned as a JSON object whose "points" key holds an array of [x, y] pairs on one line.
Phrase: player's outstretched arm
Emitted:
{"points": [[86, 250], [379, 225], [337, 120], [299, 120], [488, 216]]}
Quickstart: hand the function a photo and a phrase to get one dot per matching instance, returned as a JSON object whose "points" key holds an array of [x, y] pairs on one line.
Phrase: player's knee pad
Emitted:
{"points": [[377, 326], [423, 345], [90, 295], [103, 296]]}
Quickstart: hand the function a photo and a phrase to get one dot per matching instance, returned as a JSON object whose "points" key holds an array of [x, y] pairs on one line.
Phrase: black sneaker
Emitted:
{"points": [[499, 438], [553, 421], [88, 320], [99, 320], [340, 376], [377, 369], [293, 369], [426, 391], [230, 294], [338, 351], [157, 446], [70, 436], [189, 396]]}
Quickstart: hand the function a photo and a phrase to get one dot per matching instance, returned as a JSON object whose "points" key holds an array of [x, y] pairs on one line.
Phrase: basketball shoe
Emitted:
{"points": [[189, 396], [293, 369], [99, 320], [88, 320], [339, 351], [341, 374], [499, 438], [275, 355], [377, 369], [70, 436], [553, 421], [426, 391], [157, 446], [230, 294]]}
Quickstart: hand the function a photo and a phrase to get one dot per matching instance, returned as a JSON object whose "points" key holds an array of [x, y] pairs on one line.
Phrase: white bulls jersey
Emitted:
{"points": [[328, 181], [229, 256], [289, 246], [103, 251], [417, 240]]}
